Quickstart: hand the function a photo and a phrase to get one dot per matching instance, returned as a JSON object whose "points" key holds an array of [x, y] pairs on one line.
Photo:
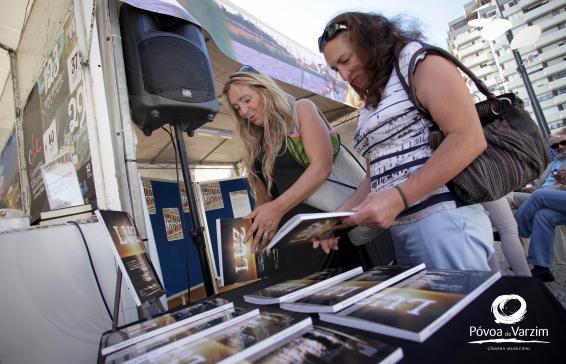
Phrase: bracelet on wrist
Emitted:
{"points": [[403, 196]]}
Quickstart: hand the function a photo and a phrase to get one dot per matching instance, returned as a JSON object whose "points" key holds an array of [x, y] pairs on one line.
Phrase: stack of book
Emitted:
{"points": [[72, 213], [214, 331]]}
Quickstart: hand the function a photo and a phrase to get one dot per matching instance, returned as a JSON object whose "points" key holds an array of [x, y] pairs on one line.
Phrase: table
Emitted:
{"points": [[450, 343]]}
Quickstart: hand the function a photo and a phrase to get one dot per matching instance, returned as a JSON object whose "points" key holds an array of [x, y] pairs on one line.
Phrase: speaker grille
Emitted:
{"points": [[175, 69]]}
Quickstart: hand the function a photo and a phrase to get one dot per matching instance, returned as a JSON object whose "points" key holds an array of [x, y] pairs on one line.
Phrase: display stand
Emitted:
{"points": [[146, 311]]}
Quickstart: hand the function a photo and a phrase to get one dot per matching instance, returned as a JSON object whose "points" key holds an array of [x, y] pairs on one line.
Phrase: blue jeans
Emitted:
{"points": [[460, 239], [537, 218]]}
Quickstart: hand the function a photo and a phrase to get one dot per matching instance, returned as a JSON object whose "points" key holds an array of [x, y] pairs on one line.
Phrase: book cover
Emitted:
{"points": [[303, 228], [183, 334], [345, 293], [415, 308], [298, 288], [234, 343], [129, 335], [66, 211], [323, 345], [238, 263], [131, 257]]}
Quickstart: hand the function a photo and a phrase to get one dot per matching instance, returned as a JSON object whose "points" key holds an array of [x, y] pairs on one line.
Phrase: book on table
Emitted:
{"points": [[184, 334], [343, 294], [131, 256], [324, 345], [297, 288], [133, 334], [66, 211], [417, 307], [233, 343], [238, 262], [303, 228]]}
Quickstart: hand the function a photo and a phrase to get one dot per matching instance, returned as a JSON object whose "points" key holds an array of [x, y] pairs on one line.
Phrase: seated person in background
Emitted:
{"points": [[265, 115], [557, 142], [537, 218], [406, 183]]}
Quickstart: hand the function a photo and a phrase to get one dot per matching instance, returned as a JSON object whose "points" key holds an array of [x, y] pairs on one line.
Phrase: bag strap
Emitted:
{"points": [[430, 49]]}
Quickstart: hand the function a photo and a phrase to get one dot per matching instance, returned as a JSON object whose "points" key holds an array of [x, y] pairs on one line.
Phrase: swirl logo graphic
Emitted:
{"points": [[498, 309]]}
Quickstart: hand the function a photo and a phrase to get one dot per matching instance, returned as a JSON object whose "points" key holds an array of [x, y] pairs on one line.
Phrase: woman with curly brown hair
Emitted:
{"points": [[406, 184]]}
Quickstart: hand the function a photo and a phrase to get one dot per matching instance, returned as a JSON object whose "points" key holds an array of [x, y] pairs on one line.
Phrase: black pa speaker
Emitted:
{"points": [[167, 69]]}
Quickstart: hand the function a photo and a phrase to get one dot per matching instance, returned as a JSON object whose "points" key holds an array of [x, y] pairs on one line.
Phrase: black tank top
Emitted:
{"points": [[302, 257]]}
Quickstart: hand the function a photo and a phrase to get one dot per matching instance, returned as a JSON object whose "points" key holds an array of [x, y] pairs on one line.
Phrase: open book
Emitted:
{"points": [[238, 262], [298, 288], [130, 335], [418, 306], [131, 256], [345, 293], [303, 228]]}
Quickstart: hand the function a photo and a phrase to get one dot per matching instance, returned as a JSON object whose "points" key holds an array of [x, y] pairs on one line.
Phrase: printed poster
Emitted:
{"points": [[173, 226], [148, 193], [54, 121], [184, 198], [10, 188], [211, 196], [240, 203]]}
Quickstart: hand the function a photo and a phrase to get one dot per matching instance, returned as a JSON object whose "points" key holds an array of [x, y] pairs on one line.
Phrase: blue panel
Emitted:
{"points": [[172, 254], [226, 187]]}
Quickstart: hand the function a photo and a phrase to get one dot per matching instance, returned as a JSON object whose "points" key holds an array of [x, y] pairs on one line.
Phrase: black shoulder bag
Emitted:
{"points": [[516, 153]]}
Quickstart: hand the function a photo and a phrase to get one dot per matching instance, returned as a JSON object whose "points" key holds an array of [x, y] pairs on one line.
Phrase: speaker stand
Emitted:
{"points": [[198, 231]]}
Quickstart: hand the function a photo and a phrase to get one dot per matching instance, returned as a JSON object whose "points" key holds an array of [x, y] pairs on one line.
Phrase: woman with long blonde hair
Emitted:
{"points": [[265, 115]]}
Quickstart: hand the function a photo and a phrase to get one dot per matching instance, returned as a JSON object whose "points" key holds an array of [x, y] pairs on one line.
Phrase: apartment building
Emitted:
{"points": [[494, 63]]}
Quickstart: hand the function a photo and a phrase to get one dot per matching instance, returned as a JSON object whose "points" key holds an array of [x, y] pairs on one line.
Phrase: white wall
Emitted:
{"points": [[51, 309]]}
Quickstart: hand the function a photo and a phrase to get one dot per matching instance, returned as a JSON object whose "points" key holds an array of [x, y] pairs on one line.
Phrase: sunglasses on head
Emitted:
{"points": [[248, 69], [330, 32], [556, 145]]}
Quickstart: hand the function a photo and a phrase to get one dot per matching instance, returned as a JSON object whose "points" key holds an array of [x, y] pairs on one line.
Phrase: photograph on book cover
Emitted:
{"points": [[238, 263], [415, 308], [324, 345], [298, 288], [131, 256], [129, 335], [232, 344], [184, 334], [303, 228], [345, 293]]}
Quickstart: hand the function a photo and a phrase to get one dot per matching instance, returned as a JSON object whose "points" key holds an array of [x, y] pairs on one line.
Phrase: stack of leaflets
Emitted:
{"points": [[348, 292], [238, 263], [133, 334], [303, 228], [417, 307], [233, 343], [323, 345], [298, 288]]}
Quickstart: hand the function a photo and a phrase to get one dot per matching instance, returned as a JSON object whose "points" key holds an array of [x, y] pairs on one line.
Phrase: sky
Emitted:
{"points": [[304, 20]]}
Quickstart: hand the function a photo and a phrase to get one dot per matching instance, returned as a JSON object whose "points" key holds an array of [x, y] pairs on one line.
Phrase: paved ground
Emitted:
{"points": [[558, 287]]}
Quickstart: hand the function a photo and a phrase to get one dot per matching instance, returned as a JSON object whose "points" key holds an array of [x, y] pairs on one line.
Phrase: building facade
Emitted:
{"points": [[493, 61]]}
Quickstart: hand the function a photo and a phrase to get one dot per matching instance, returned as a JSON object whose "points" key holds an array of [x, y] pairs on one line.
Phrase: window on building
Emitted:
{"points": [[557, 76], [545, 96], [561, 91], [535, 5]]}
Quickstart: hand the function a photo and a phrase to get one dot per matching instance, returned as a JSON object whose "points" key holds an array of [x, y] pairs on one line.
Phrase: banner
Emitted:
{"points": [[54, 120]]}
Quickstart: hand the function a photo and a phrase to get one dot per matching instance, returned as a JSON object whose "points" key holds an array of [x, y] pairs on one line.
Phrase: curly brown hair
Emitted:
{"points": [[377, 41]]}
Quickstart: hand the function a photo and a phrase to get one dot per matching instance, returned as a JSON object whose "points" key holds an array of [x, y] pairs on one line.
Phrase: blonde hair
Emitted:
{"points": [[280, 121]]}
